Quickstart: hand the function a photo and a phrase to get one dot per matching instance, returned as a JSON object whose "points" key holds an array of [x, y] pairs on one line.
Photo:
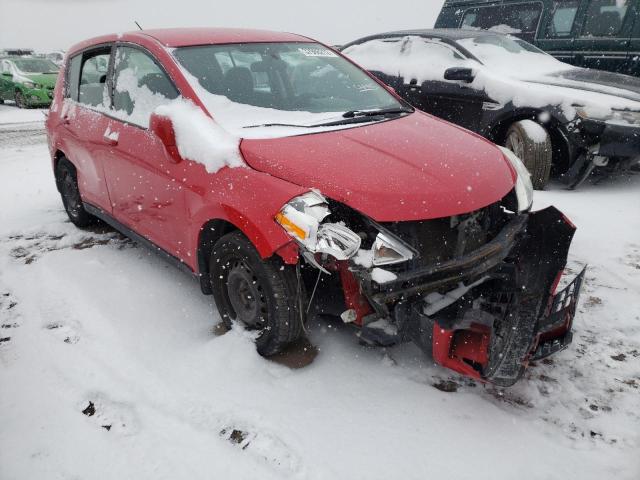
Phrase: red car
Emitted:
{"points": [[293, 183]]}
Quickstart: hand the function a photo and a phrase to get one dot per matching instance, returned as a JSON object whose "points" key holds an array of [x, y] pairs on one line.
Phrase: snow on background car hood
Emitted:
{"points": [[500, 77], [410, 168]]}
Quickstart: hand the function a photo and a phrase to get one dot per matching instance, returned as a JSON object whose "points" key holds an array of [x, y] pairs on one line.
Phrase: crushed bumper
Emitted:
{"points": [[512, 317]]}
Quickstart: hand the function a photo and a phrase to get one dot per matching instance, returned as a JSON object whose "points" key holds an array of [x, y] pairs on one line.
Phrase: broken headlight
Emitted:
{"points": [[524, 187], [388, 250], [302, 219], [619, 116]]}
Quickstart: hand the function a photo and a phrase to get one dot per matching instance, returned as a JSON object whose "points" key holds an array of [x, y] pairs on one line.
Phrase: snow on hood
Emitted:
{"points": [[412, 168], [500, 75], [199, 138]]}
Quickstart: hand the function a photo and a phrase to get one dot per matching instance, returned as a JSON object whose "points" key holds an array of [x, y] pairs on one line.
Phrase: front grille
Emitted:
{"points": [[442, 239]]}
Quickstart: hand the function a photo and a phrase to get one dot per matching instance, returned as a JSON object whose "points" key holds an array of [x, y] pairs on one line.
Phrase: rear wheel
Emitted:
{"points": [[262, 295], [67, 180], [530, 141], [20, 101]]}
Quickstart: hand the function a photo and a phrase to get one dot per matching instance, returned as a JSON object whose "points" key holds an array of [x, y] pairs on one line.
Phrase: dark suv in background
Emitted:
{"points": [[601, 34]]}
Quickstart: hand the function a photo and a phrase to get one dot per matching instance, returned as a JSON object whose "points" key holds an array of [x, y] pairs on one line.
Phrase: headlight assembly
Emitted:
{"points": [[302, 219], [29, 84], [387, 250], [629, 117], [524, 187]]}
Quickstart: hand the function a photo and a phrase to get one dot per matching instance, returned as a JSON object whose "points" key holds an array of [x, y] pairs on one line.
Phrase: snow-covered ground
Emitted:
{"points": [[110, 365]]}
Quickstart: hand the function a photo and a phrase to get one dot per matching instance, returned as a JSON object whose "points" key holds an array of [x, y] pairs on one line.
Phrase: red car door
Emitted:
{"points": [[144, 183], [84, 124]]}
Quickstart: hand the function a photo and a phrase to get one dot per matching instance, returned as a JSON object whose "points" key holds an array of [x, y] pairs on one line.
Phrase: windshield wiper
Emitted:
{"points": [[375, 113], [352, 116]]}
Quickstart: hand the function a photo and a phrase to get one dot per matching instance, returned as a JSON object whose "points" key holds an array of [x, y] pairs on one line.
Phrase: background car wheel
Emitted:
{"points": [[532, 144], [260, 294], [20, 101], [67, 181]]}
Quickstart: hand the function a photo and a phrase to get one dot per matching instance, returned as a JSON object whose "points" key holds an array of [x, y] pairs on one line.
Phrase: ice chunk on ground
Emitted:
{"points": [[381, 275]]}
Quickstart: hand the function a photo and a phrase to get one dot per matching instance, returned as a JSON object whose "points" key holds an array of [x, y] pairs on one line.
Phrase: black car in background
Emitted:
{"points": [[554, 116], [601, 34]]}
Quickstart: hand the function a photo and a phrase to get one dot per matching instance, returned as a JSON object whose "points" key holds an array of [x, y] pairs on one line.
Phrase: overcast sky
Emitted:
{"points": [[57, 24]]}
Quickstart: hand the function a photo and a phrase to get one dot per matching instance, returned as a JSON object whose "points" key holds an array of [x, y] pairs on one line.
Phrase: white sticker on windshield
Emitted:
{"points": [[316, 52]]}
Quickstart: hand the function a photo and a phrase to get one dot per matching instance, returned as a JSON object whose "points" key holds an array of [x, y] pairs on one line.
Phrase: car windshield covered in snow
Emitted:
{"points": [[290, 76], [35, 65]]}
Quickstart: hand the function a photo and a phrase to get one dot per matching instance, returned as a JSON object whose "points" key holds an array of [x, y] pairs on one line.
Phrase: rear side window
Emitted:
{"points": [[93, 78], [605, 18], [562, 19], [521, 19], [73, 77], [140, 86]]}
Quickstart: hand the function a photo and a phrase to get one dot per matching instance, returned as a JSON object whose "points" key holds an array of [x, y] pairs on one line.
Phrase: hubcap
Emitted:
{"points": [[246, 296]]}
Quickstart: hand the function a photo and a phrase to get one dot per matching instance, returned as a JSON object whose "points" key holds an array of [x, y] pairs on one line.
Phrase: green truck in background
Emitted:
{"points": [[599, 34], [28, 81]]}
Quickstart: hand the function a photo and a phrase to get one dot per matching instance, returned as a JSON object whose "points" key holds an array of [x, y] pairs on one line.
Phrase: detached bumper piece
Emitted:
{"points": [[504, 312], [555, 327]]}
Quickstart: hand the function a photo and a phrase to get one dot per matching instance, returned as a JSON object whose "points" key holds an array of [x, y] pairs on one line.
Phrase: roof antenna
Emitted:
{"points": [[137, 24]]}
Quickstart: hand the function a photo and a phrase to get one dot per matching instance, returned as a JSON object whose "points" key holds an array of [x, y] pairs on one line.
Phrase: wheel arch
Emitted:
{"points": [[562, 150], [262, 239]]}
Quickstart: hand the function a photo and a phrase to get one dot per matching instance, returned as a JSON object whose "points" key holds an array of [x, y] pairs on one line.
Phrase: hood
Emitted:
{"points": [[412, 168], [597, 81], [46, 79]]}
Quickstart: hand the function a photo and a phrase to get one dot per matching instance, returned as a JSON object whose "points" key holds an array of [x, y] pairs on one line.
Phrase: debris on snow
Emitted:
{"points": [[380, 275]]}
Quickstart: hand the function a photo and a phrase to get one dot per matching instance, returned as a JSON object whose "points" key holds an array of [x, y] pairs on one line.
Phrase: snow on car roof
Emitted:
{"points": [[182, 37], [448, 33]]}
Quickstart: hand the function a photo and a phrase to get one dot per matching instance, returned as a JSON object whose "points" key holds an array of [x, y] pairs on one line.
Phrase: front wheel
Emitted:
{"points": [[530, 141], [20, 101], [262, 295]]}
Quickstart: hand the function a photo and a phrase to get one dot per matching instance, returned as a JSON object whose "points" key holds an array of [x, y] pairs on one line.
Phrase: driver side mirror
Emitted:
{"points": [[162, 127], [459, 73]]}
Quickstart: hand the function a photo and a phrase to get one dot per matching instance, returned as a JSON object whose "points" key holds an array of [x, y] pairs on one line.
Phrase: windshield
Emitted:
{"points": [[303, 77], [35, 65]]}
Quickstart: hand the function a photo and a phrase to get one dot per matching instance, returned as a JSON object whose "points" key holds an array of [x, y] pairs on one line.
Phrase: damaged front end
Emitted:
{"points": [[474, 291]]}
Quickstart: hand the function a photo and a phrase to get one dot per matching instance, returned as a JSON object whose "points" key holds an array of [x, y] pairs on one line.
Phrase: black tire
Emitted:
{"points": [[20, 101], [67, 181], [535, 153], [260, 294], [1, 101]]}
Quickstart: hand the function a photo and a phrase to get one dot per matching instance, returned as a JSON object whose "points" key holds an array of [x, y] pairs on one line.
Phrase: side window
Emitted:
{"points": [[140, 86], [73, 77], [93, 78], [605, 18], [562, 19], [4, 67], [521, 18]]}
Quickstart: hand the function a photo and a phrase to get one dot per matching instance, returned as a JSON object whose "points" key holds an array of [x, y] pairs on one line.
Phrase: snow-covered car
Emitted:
{"points": [[28, 81], [290, 182], [554, 116]]}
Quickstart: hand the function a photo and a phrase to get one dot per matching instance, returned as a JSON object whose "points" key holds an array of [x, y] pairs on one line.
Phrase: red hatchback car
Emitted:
{"points": [[293, 183]]}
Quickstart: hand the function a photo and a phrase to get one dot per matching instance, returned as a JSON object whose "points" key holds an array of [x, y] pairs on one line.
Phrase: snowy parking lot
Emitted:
{"points": [[111, 365]]}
